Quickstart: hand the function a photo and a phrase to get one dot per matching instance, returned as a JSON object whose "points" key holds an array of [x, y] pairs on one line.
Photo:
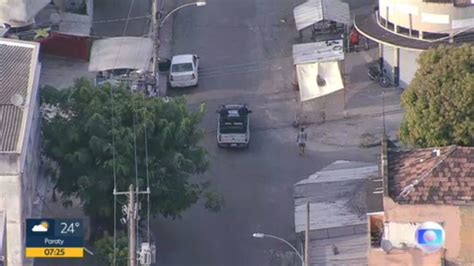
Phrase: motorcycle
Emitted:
{"points": [[376, 75]]}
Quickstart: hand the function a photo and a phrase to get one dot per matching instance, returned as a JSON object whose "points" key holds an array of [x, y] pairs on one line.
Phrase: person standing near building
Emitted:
{"points": [[355, 37], [301, 140]]}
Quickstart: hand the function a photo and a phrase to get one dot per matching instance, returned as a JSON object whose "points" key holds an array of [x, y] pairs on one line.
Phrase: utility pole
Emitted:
{"points": [[306, 238], [156, 40], [132, 215]]}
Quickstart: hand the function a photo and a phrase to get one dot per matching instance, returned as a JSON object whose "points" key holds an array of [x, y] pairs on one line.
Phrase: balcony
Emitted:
{"points": [[456, 3]]}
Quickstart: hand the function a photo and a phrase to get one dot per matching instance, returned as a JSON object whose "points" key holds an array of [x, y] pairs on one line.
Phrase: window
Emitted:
{"points": [[463, 3], [186, 67]]}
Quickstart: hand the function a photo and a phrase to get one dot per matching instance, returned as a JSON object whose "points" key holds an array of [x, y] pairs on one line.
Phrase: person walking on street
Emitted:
{"points": [[301, 140]]}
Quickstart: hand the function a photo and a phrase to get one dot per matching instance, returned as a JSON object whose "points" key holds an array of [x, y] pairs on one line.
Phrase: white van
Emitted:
{"points": [[184, 70]]}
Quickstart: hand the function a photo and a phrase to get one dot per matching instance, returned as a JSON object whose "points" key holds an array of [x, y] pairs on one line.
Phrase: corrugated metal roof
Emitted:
{"points": [[121, 53], [17, 59], [314, 11], [15, 65], [352, 250], [10, 120], [318, 52], [336, 195]]}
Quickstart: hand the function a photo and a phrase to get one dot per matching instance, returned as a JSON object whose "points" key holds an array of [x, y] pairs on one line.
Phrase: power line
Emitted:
{"points": [[147, 171], [113, 141], [116, 19]]}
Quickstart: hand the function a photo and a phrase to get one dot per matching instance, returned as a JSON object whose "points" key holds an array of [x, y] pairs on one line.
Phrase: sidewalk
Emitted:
{"points": [[166, 40]]}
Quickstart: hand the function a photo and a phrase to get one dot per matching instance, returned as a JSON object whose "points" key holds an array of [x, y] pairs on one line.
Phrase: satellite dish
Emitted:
{"points": [[17, 100], [55, 18], [386, 245]]}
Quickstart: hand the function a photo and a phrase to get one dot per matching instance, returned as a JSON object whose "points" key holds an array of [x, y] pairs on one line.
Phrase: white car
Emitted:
{"points": [[184, 70]]}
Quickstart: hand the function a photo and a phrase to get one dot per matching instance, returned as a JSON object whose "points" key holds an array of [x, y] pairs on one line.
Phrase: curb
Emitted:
{"points": [[166, 39]]}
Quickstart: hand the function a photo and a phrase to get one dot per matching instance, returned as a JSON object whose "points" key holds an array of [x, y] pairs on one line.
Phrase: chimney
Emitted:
{"points": [[436, 153]]}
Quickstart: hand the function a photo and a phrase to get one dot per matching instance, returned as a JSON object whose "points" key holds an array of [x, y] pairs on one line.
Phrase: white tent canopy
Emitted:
{"points": [[318, 59], [308, 79], [121, 53], [314, 11]]}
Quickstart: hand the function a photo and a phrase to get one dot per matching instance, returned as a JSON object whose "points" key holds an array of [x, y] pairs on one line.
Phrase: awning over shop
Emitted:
{"points": [[121, 53], [318, 52], [314, 11], [318, 60], [318, 79]]}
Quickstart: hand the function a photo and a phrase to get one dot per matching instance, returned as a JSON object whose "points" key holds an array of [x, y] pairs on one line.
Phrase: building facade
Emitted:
{"points": [[405, 28], [19, 142], [424, 185], [20, 13]]}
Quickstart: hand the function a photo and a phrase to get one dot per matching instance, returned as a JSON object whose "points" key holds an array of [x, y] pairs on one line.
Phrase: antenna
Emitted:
{"points": [[17, 100], [386, 245]]}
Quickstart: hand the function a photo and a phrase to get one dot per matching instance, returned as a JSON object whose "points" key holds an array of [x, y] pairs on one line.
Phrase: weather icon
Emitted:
{"points": [[42, 227]]}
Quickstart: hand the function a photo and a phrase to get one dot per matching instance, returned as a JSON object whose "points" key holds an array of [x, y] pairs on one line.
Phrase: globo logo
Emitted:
{"points": [[430, 237]]}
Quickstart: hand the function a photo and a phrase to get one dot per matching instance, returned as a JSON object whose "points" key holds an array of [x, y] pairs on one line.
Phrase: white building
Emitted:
{"points": [[405, 28], [20, 13], [19, 144]]}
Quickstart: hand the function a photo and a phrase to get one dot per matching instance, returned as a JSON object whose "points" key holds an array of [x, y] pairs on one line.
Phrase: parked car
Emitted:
{"points": [[184, 71]]}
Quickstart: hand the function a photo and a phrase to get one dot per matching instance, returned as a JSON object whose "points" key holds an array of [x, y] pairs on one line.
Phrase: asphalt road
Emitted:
{"points": [[105, 10], [245, 51]]}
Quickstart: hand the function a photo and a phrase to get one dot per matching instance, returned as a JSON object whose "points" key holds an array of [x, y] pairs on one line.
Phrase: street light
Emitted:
{"points": [[157, 27], [197, 3], [262, 235]]}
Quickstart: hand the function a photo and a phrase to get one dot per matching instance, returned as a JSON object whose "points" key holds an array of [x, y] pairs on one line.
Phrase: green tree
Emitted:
{"points": [[78, 131], [104, 249], [439, 102]]}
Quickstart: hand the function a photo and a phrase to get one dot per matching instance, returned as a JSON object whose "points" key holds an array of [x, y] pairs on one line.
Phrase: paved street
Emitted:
{"points": [[245, 50], [118, 9]]}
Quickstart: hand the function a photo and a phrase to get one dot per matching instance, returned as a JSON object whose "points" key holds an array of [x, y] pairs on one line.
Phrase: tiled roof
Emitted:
{"points": [[422, 177], [16, 59]]}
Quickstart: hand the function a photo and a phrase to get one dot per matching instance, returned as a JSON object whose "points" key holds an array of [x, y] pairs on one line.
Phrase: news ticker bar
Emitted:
{"points": [[54, 252]]}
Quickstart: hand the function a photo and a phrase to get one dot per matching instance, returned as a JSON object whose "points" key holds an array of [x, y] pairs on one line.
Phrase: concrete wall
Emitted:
{"points": [[19, 13], [428, 17], [450, 216], [18, 176], [408, 66], [11, 201], [388, 59], [466, 254], [412, 257]]}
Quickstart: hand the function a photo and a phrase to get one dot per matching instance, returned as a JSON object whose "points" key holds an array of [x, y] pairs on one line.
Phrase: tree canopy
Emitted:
{"points": [[78, 134], [439, 102]]}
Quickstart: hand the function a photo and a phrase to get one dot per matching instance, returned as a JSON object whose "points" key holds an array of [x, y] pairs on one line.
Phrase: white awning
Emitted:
{"points": [[308, 79], [121, 53], [314, 11], [318, 52]]}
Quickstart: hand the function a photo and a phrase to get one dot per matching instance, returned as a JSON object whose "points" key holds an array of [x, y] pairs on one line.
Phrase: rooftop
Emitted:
{"points": [[18, 65], [374, 194], [369, 27], [130, 53], [352, 250], [336, 195], [432, 176]]}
